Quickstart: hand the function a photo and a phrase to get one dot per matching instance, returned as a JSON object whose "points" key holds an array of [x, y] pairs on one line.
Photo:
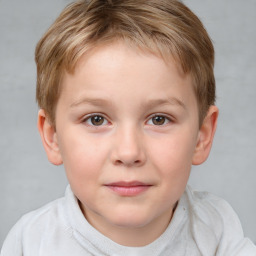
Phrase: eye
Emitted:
{"points": [[96, 120], [158, 120]]}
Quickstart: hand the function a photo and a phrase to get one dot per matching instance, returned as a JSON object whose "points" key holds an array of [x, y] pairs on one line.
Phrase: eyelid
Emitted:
{"points": [[88, 116], [168, 117]]}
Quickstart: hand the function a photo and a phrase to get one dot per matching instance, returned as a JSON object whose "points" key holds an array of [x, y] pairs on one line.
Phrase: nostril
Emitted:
{"points": [[118, 162], [128, 163]]}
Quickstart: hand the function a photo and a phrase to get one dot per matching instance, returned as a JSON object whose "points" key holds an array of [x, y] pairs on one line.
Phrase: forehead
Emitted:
{"points": [[118, 68], [156, 49], [121, 53]]}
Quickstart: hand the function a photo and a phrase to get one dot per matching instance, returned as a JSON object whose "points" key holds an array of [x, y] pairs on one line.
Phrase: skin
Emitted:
{"points": [[129, 165]]}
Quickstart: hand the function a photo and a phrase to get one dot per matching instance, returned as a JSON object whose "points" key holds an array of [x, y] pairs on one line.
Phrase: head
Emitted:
{"points": [[166, 28], [126, 91]]}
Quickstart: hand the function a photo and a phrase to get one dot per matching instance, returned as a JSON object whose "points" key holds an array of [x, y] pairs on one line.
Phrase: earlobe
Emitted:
{"points": [[205, 137], [49, 138]]}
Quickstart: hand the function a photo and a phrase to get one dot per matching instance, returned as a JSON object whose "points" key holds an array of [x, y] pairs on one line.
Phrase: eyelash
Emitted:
{"points": [[88, 120], [166, 119]]}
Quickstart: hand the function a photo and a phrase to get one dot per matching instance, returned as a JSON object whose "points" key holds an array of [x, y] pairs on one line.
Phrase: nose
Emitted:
{"points": [[129, 149]]}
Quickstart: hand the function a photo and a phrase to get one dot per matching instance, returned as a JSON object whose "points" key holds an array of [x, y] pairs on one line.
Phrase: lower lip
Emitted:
{"points": [[129, 191]]}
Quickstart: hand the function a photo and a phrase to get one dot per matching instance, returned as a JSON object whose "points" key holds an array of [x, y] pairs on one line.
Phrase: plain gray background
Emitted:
{"points": [[28, 181]]}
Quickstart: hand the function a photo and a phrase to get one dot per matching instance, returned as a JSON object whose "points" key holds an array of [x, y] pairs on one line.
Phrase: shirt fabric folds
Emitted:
{"points": [[202, 224]]}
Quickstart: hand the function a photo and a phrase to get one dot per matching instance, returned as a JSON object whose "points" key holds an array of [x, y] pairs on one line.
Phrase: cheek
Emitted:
{"points": [[172, 160], [175, 151], [82, 158], [173, 155]]}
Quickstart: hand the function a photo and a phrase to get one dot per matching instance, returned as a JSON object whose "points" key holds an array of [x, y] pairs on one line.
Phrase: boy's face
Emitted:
{"points": [[127, 133]]}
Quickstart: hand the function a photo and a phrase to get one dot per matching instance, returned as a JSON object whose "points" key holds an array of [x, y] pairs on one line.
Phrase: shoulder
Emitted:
{"points": [[213, 219], [38, 218], [210, 207], [33, 226]]}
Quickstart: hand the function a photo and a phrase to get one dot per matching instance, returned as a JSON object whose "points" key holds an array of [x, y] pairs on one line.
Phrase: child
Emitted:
{"points": [[126, 94]]}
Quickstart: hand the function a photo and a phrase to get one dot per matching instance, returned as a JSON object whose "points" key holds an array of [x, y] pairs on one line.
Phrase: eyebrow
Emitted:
{"points": [[160, 102], [149, 104], [91, 101]]}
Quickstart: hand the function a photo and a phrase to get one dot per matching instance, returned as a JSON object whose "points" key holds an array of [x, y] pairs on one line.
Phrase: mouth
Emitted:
{"points": [[128, 189]]}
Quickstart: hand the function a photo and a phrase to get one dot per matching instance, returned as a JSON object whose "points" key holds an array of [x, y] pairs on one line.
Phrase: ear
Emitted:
{"points": [[205, 136], [49, 138]]}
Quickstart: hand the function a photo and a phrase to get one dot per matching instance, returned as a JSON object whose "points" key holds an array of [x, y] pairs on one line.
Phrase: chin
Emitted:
{"points": [[125, 220]]}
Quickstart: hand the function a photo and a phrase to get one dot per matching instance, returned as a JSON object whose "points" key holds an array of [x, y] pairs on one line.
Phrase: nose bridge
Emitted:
{"points": [[129, 149]]}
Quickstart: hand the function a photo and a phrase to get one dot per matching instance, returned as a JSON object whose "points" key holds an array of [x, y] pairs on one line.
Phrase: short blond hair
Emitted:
{"points": [[163, 27]]}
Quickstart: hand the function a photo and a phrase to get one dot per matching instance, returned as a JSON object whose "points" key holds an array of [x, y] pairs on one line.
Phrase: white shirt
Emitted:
{"points": [[203, 224]]}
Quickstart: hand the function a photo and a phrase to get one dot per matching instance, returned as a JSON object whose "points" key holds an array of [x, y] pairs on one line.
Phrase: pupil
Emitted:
{"points": [[97, 120], [158, 120]]}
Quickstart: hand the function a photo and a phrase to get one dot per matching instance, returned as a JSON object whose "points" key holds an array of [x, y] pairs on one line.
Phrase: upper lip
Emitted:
{"points": [[128, 184]]}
